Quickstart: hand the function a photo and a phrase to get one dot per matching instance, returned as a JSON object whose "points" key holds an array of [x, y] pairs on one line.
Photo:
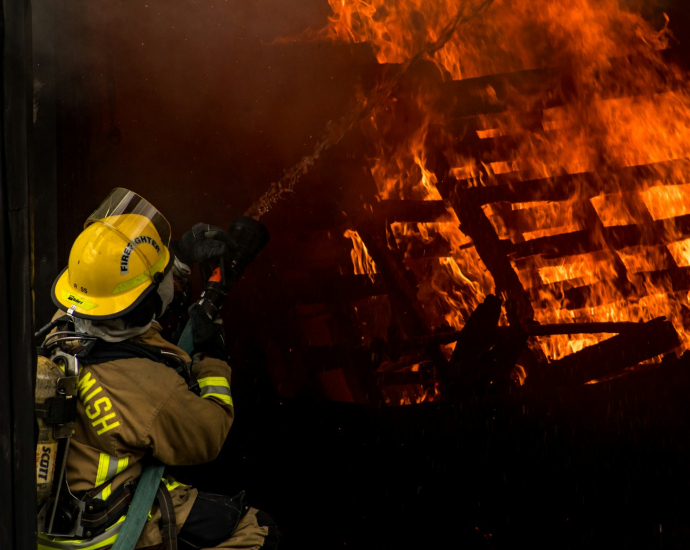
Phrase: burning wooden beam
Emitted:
{"points": [[523, 90], [600, 293], [402, 285], [657, 233], [391, 211], [634, 345], [492, 250], [514, 189]]}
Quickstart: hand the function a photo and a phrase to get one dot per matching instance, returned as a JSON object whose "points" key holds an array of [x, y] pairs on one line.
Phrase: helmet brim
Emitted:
{"points": [[101, 308]]}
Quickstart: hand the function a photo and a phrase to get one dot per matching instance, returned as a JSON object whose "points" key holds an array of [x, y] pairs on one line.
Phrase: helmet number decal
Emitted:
{"points": [[127, 252]]}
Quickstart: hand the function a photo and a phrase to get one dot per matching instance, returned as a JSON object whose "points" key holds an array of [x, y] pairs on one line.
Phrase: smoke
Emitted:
{"points": [[188, 103], [192, 104]]}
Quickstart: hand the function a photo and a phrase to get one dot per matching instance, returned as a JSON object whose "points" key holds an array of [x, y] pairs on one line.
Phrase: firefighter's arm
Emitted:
{"points": [[189, 428]]}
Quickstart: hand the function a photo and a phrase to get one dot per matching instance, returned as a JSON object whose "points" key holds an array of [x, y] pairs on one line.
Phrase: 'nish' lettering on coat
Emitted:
{"points": [[98, 409]]}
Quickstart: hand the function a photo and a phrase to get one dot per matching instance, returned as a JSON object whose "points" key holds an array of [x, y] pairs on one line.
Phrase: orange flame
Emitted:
{"points": [[607, 102], [361, 260]]}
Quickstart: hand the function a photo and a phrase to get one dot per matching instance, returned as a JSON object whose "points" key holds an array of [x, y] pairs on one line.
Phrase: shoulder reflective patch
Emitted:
{"points": [[142, 278], [217, 387], [220, 396], [78, 300], [213, 381]]}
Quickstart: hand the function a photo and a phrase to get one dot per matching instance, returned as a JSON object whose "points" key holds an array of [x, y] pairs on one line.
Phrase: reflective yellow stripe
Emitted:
{"points": [[102, 475], [46, 542], [221, 397], [122, 464], [213, 381], [106, 492], [136, 281], [173, 484], [109, 467]]}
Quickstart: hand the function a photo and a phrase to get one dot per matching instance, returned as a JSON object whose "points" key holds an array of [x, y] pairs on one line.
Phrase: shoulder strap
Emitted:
{"points": [[100, 351]]}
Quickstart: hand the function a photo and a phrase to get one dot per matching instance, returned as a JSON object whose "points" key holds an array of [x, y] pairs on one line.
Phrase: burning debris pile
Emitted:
{"points": [[529, 221]]}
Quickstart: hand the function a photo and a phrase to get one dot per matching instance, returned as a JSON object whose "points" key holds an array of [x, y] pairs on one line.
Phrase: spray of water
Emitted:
{"points": [[375, 98]]}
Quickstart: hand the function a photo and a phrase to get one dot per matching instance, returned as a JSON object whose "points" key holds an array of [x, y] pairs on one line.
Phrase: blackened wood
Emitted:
{"points": [[481, 358], [401, 280], [403, 286], [603, 292], [543, 88], [646, 233], [479, 333], [392, 211], [423, 377], [492, 250], [608, 357], [516, 189], [468, 97], [436, 247], [580, 328], [530, 330]]}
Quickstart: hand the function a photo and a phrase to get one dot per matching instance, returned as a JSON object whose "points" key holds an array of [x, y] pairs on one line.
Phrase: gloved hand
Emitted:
{"points": [[201, 243], [208, 336]]}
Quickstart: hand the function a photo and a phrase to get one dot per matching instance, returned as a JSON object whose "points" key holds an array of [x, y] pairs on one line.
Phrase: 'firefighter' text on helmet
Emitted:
{"points": [[119, 257]]}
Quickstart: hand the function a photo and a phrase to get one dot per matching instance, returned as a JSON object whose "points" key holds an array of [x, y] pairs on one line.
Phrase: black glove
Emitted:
{"points": [[201, 243], [208, 336]]}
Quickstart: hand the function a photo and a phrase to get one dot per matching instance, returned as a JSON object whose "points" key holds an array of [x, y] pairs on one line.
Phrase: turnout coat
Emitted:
{"points": [[129, 407]]}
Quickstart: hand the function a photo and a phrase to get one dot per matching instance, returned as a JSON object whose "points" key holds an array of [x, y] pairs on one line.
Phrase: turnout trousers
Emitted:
{"points": [[218, 521]]}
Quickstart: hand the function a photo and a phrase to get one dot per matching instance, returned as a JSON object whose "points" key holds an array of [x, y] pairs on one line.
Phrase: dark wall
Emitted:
{"points": [[189, 103]]}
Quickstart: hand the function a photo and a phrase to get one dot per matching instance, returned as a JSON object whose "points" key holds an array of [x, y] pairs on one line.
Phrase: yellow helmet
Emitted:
{"points": [[117, 260]]}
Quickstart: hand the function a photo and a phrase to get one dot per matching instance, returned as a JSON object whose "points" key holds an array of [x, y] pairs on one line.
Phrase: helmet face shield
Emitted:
{"points": [[119, 255], [122, 201], [132, 217]]}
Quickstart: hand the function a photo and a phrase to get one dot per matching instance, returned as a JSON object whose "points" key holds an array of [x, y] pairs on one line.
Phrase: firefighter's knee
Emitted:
{"points": [[271, 539], [255, 530]]}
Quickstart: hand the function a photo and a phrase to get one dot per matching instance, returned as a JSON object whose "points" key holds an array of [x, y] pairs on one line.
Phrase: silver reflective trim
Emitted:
{"points": [[223, 390]]}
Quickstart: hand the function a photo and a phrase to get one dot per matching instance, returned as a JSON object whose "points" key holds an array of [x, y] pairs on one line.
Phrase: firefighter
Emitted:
{"points": [[118, 281]]}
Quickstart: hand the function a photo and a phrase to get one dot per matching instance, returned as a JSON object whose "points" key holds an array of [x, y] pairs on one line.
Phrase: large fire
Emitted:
{"points": [[594, 99]]}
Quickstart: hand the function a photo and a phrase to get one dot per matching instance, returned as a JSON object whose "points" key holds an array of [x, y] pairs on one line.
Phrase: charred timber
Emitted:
{"points": [[424, 377], [402, 285], [391, 211], [542, 88], [581, 328], [627, 349], [655, 233], [510, 188], [481, 360], [603, 292], [492, 250], [533, 330]]}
